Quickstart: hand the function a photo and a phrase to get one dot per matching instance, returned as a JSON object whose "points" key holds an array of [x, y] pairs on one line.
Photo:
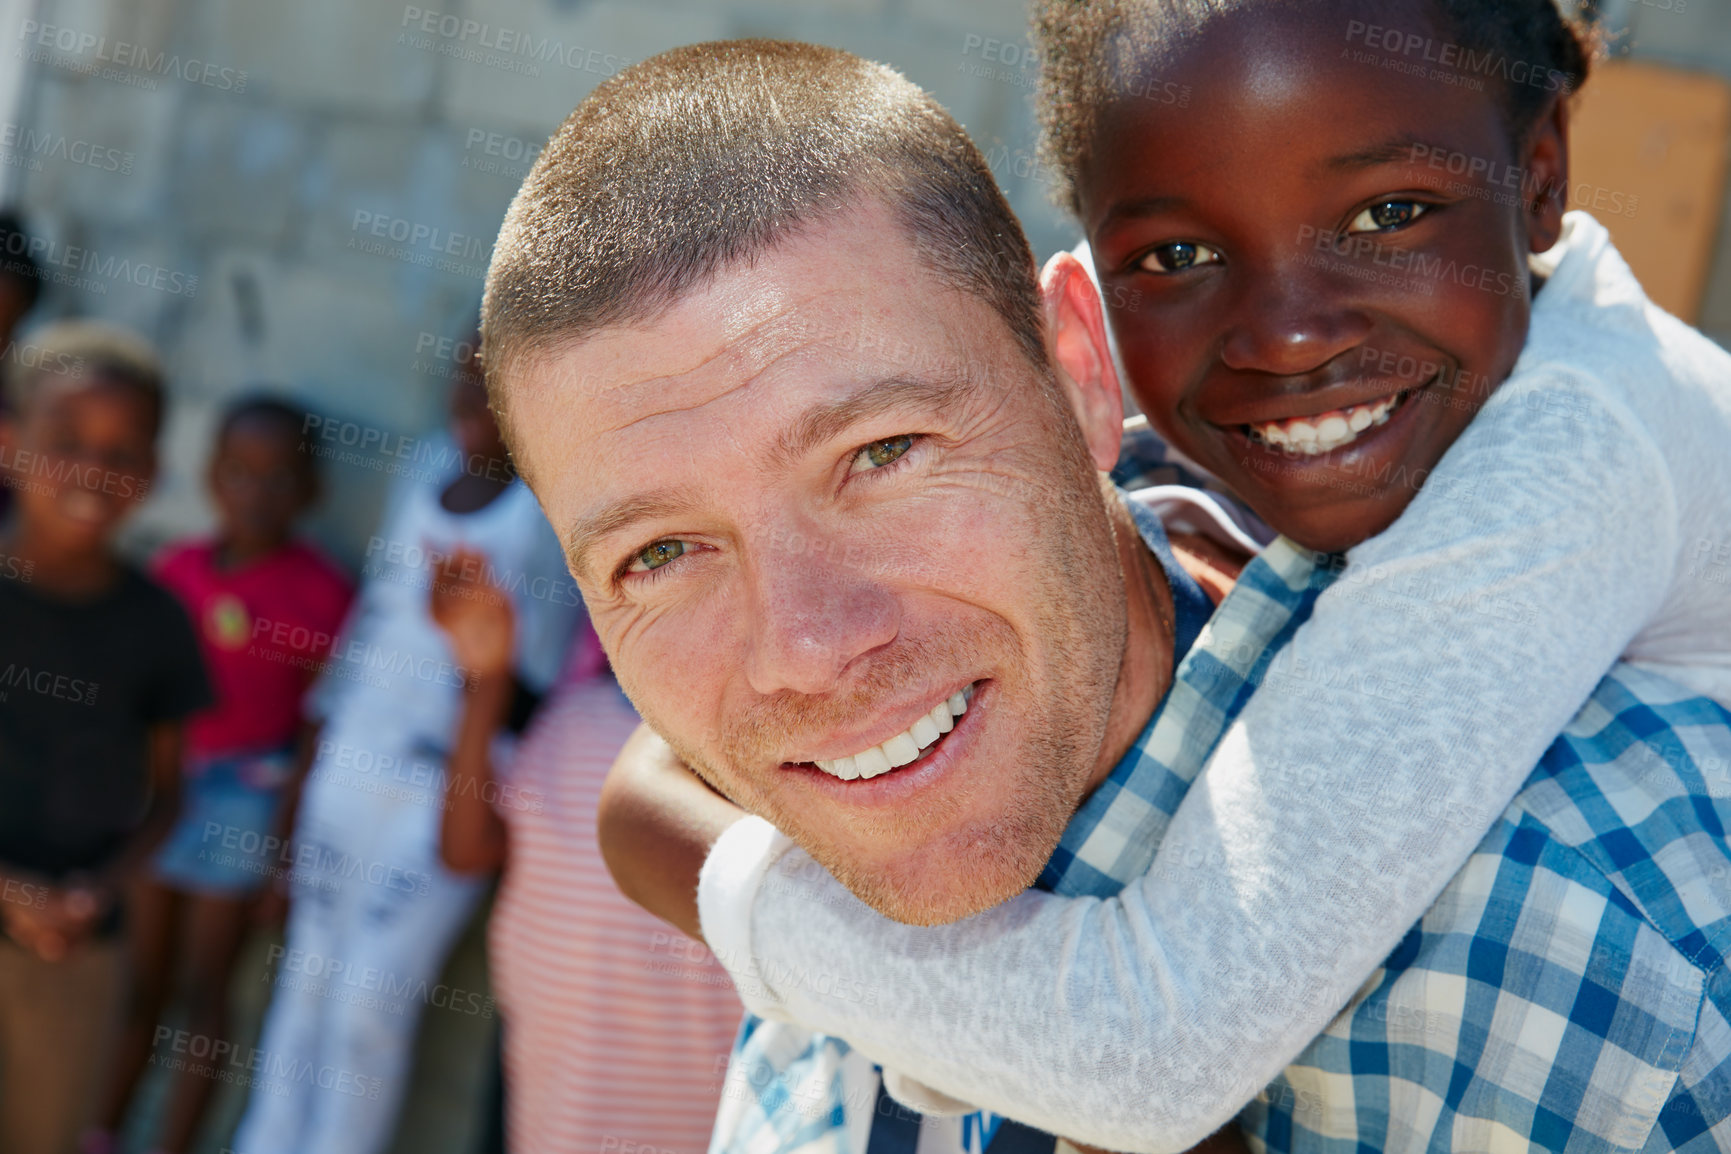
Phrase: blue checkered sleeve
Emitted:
{"points": [[1567, 991]]}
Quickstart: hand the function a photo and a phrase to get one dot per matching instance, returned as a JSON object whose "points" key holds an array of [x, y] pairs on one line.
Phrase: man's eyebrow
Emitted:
{"points": [[1395, 150], [586, 533], [823, 422]]}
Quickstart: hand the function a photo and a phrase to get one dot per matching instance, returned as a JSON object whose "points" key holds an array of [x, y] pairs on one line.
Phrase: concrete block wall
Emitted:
{"points": [[245, 165], [259, 158]]}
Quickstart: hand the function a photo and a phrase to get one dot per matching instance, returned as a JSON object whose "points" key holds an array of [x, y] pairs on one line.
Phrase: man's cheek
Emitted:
{"points": [[675, 670]]}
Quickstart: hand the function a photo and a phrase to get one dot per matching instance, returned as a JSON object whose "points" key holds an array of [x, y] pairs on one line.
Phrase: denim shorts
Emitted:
{"points": [[225, 842]]}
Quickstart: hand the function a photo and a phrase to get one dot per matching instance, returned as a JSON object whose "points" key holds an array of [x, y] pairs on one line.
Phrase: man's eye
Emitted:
{"points": [[1388, 215], [656, 556], [1179, 257], [880, 453]]}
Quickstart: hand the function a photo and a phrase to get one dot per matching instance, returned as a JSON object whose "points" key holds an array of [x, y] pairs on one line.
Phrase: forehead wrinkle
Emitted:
{"points": [[745, 354], [821, 422], [759, 349], [817, 423]]}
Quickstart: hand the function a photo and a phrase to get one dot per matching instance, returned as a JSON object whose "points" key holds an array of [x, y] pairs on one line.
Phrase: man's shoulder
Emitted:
{"points": [[1554, 992], [1146, 461], [1637, 789]]}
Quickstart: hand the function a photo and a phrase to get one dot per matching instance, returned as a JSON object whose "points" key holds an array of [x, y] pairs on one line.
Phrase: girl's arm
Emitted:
{"points": [[162, 753], [270, 906], [69, 909], [481, 626], [1408, 712], [472, 835], [656, 823]]}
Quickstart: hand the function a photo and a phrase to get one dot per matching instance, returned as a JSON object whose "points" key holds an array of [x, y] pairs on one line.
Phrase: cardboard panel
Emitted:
{"points": [[1648, 156]]}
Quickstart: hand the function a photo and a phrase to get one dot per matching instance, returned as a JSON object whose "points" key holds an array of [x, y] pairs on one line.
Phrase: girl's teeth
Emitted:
{"points": [[904, 747], [1326, 433]]}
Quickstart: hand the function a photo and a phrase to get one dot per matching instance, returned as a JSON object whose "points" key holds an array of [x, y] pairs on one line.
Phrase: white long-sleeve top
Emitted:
{"points": [[1585, 514]]}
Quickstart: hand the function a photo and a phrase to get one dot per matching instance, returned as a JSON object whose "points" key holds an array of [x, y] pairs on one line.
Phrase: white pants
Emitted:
{"points": [[372, 916]]}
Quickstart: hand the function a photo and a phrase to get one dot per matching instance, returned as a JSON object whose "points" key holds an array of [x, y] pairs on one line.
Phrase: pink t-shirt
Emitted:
{"points": [[617, 1027], [263, 630]]}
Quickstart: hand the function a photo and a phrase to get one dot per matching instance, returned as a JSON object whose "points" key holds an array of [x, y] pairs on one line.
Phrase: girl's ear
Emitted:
{"points": [[1547, 165], [1081, 358]]}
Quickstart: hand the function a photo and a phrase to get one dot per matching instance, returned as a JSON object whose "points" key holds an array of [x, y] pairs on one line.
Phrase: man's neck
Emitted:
{"points": [[1145, 673]]}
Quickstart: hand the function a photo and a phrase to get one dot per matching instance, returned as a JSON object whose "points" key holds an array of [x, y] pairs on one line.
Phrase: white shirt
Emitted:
{"points": [[391, 679]]}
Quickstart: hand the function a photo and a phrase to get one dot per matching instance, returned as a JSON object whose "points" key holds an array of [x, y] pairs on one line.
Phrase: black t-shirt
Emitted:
{"points": [[81, 683]]}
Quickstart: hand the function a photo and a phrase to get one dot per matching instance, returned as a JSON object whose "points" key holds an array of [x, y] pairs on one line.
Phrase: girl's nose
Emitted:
{"points": [[1290, 322]]}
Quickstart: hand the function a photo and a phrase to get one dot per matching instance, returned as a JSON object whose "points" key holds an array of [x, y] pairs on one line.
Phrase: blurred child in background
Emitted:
{"points": [[266, 608], [20, 280], [98, 669], [613, 1024], [20, 289], [372, 911]]}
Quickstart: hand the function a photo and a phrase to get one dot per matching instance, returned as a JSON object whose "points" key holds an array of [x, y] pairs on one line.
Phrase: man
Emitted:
{"points": [[765, 340]]}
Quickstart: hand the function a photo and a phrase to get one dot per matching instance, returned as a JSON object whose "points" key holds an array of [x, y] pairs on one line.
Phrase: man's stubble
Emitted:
{"points": [[1061, 684]]}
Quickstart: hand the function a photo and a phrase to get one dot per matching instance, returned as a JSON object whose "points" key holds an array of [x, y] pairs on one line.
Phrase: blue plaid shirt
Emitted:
{"points": [[1567, 991]]}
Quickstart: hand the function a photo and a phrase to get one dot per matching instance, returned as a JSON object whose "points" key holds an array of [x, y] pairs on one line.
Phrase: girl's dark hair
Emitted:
{"points": [[1093, 52], [17, 265], [266, 408], [85, 350]]}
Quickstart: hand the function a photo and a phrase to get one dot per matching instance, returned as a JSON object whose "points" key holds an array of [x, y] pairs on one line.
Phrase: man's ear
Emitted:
{"points": [[1547, 166], [1081, 358]]}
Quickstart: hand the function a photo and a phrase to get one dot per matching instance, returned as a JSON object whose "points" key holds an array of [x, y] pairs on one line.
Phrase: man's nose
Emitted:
{"points": [[813, 615], [1291, 321]]}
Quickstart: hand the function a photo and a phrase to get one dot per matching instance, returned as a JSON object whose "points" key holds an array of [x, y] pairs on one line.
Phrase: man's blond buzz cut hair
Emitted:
{"points": [[705, 155]]}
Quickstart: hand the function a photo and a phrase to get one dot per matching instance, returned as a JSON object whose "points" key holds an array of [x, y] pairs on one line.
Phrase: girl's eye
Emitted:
{"points": [[880, 453], [656, 556], [1179, 257], [1389, 214]]}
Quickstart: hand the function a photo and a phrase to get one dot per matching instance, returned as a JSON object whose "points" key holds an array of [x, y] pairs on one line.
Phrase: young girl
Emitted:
{"points": [[101, 671], [253, 591], [612, 1025], [373, 911], [1319, 272]]}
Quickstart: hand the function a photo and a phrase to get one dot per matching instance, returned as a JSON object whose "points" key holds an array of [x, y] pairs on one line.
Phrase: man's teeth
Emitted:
{"points": [[1312, 436], [905, 747]]}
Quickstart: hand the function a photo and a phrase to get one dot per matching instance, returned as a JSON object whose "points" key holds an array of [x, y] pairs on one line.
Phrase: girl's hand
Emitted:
{"points": [[474, 613], [63, 919]]}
